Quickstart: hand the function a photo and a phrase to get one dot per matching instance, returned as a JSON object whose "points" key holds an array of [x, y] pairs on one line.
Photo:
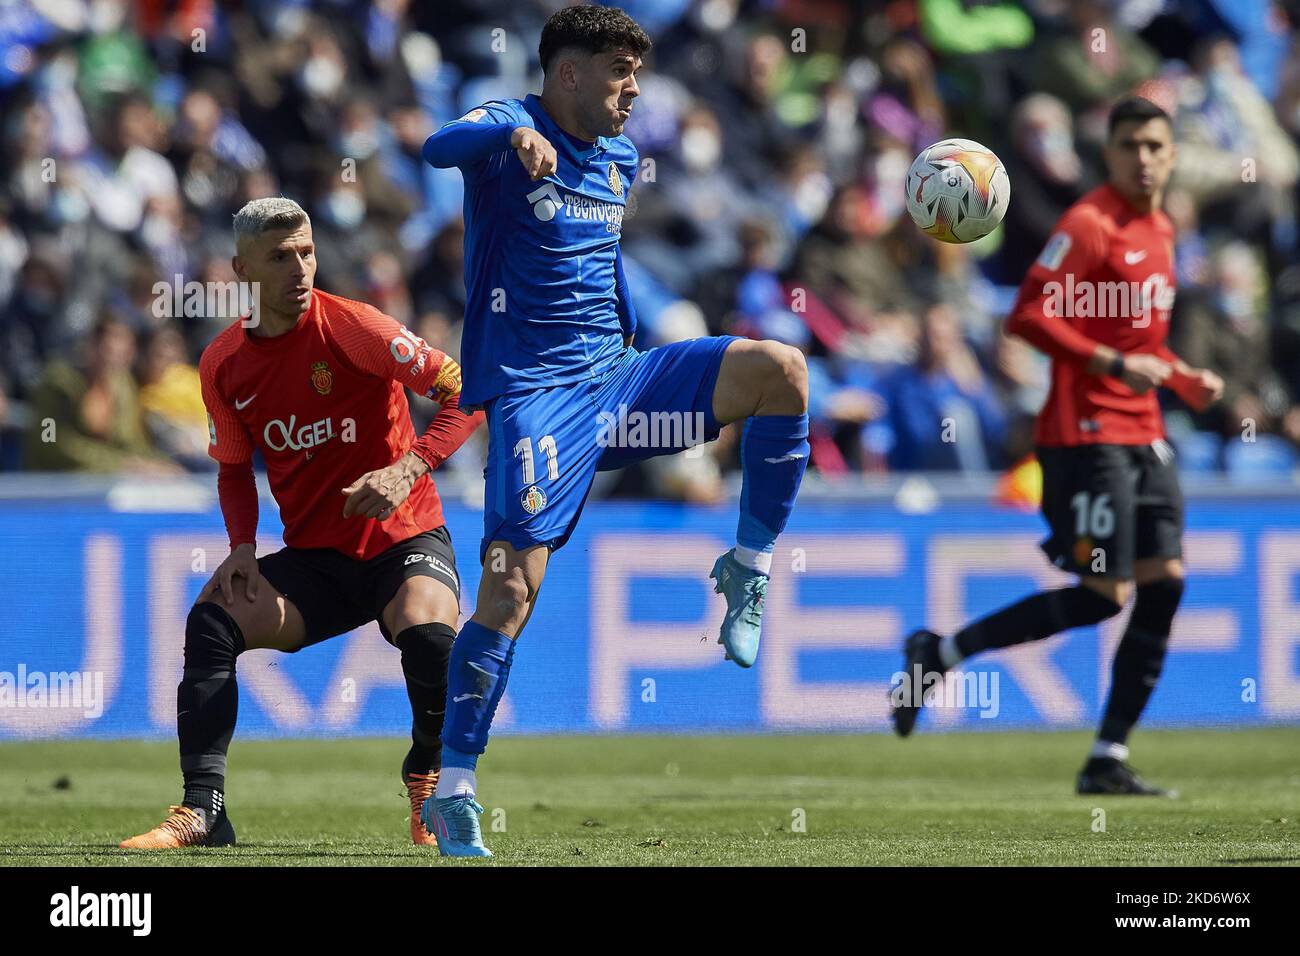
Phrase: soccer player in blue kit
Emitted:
{"points": [[546, 352]]}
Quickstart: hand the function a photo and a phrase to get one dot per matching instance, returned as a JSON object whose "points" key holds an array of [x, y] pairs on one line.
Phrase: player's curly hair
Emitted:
{"points": [[592, 29]]}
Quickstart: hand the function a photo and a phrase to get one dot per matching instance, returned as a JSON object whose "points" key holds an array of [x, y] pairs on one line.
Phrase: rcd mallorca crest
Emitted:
{"points": [[322, 378]]}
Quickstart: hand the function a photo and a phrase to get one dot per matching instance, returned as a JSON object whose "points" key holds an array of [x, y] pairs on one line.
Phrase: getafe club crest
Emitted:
{"points": [[533, 500], [322, 378], [615, 180]]}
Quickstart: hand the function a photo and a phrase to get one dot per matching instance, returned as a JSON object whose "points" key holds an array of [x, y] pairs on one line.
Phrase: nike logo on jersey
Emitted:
{"points": [[240, 406], [1134, 257]]}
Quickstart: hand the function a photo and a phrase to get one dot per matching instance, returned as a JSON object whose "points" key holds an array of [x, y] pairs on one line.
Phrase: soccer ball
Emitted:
{"points": [[957, 191]]}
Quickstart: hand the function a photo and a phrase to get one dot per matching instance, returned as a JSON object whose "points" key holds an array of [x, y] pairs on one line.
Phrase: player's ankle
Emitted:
{"points": [[206, 797], [456, 782]]}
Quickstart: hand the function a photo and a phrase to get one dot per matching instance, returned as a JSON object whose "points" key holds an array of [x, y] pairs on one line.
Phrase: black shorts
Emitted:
{"points": [[336, 594], [1110, 505]]}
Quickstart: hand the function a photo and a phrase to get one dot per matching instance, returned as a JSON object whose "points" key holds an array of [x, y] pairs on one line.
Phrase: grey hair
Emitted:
{"points": [[263, 215]]}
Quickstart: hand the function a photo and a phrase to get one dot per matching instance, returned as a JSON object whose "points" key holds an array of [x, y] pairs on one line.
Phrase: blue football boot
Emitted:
{"points": [[454, 823], [745, 590]]}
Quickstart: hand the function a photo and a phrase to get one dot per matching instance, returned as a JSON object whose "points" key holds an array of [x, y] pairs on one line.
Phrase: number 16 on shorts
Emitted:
{"points": [[1094, 522]]}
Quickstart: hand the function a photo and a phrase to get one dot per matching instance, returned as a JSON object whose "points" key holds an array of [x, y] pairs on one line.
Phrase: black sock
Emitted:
{"points": [[1140, 657], [1034, 618], [425, 649], [207, 703], [209, 799]]}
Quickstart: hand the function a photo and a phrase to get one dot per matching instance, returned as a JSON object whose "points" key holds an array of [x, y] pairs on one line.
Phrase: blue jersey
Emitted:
{"points": [[546, 300]]}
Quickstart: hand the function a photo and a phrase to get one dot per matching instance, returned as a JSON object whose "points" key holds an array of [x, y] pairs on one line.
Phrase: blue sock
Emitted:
{"points": [[773, 455], [476, 679]]}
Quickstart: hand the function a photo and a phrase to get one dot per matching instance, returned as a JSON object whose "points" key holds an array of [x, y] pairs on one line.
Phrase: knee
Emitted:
{"points": [[1165, 591], [426, 648], [213, 639], [789, 372], [1157, 603], [417, 601], [508, 600], [1115, 592], [1092, 605]]}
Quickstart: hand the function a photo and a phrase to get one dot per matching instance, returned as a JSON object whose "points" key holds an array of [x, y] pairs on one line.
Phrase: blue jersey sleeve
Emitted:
{"points": [[478, 141], [626, 313]]}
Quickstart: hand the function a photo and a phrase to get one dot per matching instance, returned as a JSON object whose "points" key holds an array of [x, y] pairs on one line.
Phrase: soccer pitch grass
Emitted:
{"points": [[973, 798]]}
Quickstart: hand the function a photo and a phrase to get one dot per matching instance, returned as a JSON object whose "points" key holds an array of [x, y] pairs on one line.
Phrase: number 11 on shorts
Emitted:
{"points": [[546, 445]]}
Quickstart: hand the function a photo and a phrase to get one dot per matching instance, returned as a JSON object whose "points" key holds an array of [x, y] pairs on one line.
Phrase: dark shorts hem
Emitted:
{"points": [[336, 594]]}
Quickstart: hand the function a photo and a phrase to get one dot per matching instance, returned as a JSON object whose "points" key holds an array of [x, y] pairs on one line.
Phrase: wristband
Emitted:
{"points": [[1116, 367]]}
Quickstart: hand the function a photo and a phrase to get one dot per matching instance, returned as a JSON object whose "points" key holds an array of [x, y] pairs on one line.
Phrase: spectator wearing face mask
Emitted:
{"points": [[346, 238], [683, 227], [1049, 176], [367, 143], [1226, 324], [1234, 159]]}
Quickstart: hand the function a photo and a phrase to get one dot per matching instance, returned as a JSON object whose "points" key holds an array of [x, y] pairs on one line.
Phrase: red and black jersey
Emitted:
{"points": [[1106, 276], [324, 403]]}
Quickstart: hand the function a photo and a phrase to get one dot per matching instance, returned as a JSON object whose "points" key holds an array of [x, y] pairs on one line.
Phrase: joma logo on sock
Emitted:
{"points": [[977, 689], [74, 908]]}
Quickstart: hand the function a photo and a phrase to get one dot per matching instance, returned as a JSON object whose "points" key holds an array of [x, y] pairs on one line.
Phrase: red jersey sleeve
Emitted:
{"points": [[237, 493], [228, 439], [1177, 382], [380, 345], [447, 432], [1078, 246]]}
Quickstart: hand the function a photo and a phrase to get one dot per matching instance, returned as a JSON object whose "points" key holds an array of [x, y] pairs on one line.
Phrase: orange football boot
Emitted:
{"points": [[420, 787], [184, 826]]}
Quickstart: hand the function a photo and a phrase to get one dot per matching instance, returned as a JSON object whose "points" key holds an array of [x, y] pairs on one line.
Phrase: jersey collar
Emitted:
{"points": [[576, 149]]}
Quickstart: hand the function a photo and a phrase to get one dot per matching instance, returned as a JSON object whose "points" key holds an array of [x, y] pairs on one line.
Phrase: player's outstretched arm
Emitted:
{"points": [[462, 143], [484, 132]]}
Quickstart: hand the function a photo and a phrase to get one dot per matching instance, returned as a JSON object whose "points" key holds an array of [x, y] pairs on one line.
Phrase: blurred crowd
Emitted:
{"points": [[775, 137]]}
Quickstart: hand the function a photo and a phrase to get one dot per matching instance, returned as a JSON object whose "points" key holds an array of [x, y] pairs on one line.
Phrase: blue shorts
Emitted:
{"points": [[545, 447]]}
